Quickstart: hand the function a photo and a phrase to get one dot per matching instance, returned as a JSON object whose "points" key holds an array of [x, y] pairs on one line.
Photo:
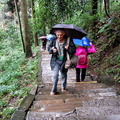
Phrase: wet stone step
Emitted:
{"points": [[90, 91], [109, 117], [47, 102], [86, 88], [67, 116], [99, 90], [97, 111], [105, 94], [76, 102], [44, 116], [51, 97], [80, 86], [47, 90], [75, 117], [56, 106], [89, 85], [45, 59], [95, 101], [42, 110], [63, 107], [101, 102]]}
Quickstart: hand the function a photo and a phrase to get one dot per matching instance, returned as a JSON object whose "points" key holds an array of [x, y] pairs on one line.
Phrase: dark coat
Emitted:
{"points": [[71, 51]]}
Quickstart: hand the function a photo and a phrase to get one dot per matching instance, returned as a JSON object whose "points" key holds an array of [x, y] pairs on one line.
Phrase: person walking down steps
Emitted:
{"points": [[82, 52], [58, 48]]}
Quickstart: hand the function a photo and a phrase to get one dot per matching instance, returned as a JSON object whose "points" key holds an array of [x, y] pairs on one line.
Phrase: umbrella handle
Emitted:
{"points": [[68, 40], [68, 57]]}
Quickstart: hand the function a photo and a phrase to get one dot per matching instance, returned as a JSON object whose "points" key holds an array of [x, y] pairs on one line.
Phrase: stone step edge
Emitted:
{"points": [[99, 94], [78, 82], [107, 117], [73, 105], [66, 115], [26, 103], [78, 99]]}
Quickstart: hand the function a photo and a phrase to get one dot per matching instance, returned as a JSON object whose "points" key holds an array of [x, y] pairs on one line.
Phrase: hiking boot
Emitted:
{"points": [[52, 93]]}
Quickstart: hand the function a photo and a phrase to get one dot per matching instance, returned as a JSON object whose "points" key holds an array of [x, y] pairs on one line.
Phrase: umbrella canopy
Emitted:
{"points": [[42, 37], [70, 30], [82, 42]]}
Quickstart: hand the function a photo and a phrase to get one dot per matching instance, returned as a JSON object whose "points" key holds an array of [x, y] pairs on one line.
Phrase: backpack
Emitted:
{"points": [[82, 58]]}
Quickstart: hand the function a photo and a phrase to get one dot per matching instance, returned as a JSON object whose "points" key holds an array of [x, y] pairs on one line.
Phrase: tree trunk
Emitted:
{"points": [[19, 22], [94, 11], [28, 50], [94, 6], [106, 7], [34, 31]]}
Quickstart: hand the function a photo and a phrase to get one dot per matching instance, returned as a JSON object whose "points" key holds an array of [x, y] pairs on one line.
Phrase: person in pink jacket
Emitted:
{"points": [[82, 53]]}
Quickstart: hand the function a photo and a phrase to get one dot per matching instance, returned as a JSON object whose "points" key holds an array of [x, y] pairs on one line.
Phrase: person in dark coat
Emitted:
{"points": [[58, 48], [44, 42]]}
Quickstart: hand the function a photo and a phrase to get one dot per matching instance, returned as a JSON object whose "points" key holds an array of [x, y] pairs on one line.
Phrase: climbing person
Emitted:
{"points": [[58, 48], [82, 53], [44, 42]]}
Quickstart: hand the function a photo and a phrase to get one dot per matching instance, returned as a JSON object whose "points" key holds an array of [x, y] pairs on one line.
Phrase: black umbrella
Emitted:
{"points": [[70, 30]]}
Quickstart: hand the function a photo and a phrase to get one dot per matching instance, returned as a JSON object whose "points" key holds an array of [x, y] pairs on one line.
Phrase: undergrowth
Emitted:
{"points": [[17, 74], [106, 61]]}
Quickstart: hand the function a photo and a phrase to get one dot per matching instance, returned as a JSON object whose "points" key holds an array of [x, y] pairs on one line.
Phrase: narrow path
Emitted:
{"points": [[87, 100]]}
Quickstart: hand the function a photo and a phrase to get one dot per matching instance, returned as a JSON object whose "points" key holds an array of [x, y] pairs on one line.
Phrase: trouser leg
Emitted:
{"points": [[83, 73], [77, 74], [55, 78], [64, 79], [44, 47]]}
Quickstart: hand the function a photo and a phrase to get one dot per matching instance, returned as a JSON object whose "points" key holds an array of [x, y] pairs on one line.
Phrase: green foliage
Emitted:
{"points": [[17, 75], [8, 111], [51, 12]]}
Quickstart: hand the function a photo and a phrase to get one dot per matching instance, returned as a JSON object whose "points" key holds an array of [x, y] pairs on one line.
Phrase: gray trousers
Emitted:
{"points": [[63, 77]]}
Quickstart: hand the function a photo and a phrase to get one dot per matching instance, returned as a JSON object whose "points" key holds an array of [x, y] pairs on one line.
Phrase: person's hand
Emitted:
{"points": [[66, 47], [54, 50], [90, 43]]}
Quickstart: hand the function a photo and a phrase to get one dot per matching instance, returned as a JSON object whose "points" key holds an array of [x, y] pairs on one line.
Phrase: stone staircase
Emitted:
{"points": [[82, 101]]}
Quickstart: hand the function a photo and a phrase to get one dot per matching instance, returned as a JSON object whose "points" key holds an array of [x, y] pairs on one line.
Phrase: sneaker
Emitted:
{"points": [[52, 93]]}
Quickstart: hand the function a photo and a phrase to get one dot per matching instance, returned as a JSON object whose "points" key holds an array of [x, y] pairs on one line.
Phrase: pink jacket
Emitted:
{"points": [[82, 50]]}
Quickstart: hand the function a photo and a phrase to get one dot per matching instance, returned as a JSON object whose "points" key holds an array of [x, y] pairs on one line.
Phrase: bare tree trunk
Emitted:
{"points": [[94, 11], [44, 29], [19, 22], [28, 50], [33, 16], [94, 6], [106, 7]]}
